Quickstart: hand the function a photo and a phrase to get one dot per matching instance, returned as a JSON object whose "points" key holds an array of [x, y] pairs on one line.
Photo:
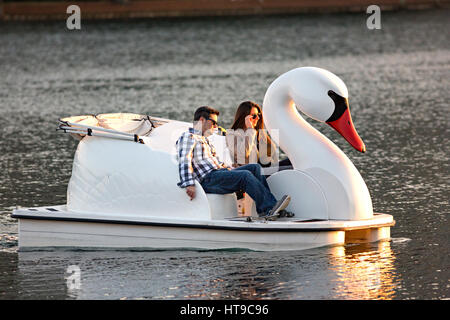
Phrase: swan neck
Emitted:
{"points": [[297, 138]]}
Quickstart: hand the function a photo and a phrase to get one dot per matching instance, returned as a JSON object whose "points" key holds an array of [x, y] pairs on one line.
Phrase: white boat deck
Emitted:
{"points": [[60, 213]]}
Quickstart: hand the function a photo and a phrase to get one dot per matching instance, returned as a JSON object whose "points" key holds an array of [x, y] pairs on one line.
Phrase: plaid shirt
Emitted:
{"points": [[196, 157]]}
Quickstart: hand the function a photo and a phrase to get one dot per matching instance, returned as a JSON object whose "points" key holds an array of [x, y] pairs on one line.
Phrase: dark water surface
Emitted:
{"points": [[398, 81]]}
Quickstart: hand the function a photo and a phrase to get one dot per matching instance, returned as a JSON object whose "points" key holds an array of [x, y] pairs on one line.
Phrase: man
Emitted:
{"points": [[197, 161]]}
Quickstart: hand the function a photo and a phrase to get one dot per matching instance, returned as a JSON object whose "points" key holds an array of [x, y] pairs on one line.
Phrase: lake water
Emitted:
{"points": [[398, 81]]}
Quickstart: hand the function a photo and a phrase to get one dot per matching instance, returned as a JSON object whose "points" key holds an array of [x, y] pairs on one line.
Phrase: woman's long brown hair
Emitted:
{"points": [[244, 109]]}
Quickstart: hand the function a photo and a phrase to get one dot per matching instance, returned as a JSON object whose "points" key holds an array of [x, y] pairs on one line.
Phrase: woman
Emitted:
{"points": [[248, 140]]}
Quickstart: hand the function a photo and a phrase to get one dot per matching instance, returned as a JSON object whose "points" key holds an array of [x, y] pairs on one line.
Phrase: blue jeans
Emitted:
{"points": [[247, 178]]}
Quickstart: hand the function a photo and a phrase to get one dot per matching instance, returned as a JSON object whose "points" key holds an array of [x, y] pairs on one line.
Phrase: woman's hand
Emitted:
{"points": [[250, 123]]}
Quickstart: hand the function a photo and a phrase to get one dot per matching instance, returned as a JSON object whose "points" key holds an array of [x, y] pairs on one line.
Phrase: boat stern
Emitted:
{"points": [[376, 229]]}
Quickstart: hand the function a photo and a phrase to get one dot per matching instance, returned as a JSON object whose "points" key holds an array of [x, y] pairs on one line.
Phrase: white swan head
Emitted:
{"points": [[324, 97]]}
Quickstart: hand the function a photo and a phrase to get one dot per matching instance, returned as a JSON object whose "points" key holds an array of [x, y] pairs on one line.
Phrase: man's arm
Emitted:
{"points": [[185, 148]]}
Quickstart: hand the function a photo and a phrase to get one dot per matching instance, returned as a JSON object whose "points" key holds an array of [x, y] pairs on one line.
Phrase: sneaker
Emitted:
{"points": [[280, 205], [286, 214]]}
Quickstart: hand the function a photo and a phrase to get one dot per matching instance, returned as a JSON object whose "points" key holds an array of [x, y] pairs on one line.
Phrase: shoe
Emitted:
{"points": [[286, 214], [280, 205]]}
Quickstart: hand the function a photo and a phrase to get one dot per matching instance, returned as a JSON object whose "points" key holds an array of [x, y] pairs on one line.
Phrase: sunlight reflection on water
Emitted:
{"points": [[365, 271]]}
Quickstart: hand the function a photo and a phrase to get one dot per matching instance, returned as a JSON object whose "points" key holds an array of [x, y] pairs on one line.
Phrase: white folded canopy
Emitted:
{"points": [[110, 125]]}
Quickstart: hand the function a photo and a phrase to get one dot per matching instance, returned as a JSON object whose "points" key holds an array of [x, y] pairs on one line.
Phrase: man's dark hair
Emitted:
{"points": [[204, 112]]}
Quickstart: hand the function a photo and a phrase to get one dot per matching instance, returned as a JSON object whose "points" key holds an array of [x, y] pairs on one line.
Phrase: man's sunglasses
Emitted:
{"points": [[214, 122]]}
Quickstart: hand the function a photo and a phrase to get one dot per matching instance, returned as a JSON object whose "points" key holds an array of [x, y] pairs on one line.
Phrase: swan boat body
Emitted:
{"points": [[123, 192]]}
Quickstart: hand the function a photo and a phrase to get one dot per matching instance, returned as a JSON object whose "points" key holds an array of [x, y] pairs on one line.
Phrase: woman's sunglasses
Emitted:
{"points": [[254, 116]]}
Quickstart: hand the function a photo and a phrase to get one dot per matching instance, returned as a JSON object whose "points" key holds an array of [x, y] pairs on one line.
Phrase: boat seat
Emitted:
{"points": [[222, 206]]}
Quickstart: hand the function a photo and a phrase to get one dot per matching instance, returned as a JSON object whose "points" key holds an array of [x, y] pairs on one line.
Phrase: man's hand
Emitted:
{"points": [[190, 190]]}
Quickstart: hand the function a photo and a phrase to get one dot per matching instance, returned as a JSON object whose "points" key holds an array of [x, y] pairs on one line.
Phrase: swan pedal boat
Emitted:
{"points": [[123, 189]]}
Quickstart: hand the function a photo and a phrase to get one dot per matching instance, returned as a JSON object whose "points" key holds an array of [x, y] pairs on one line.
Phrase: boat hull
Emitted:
{"points": [[39, 233], [44, 228]]}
